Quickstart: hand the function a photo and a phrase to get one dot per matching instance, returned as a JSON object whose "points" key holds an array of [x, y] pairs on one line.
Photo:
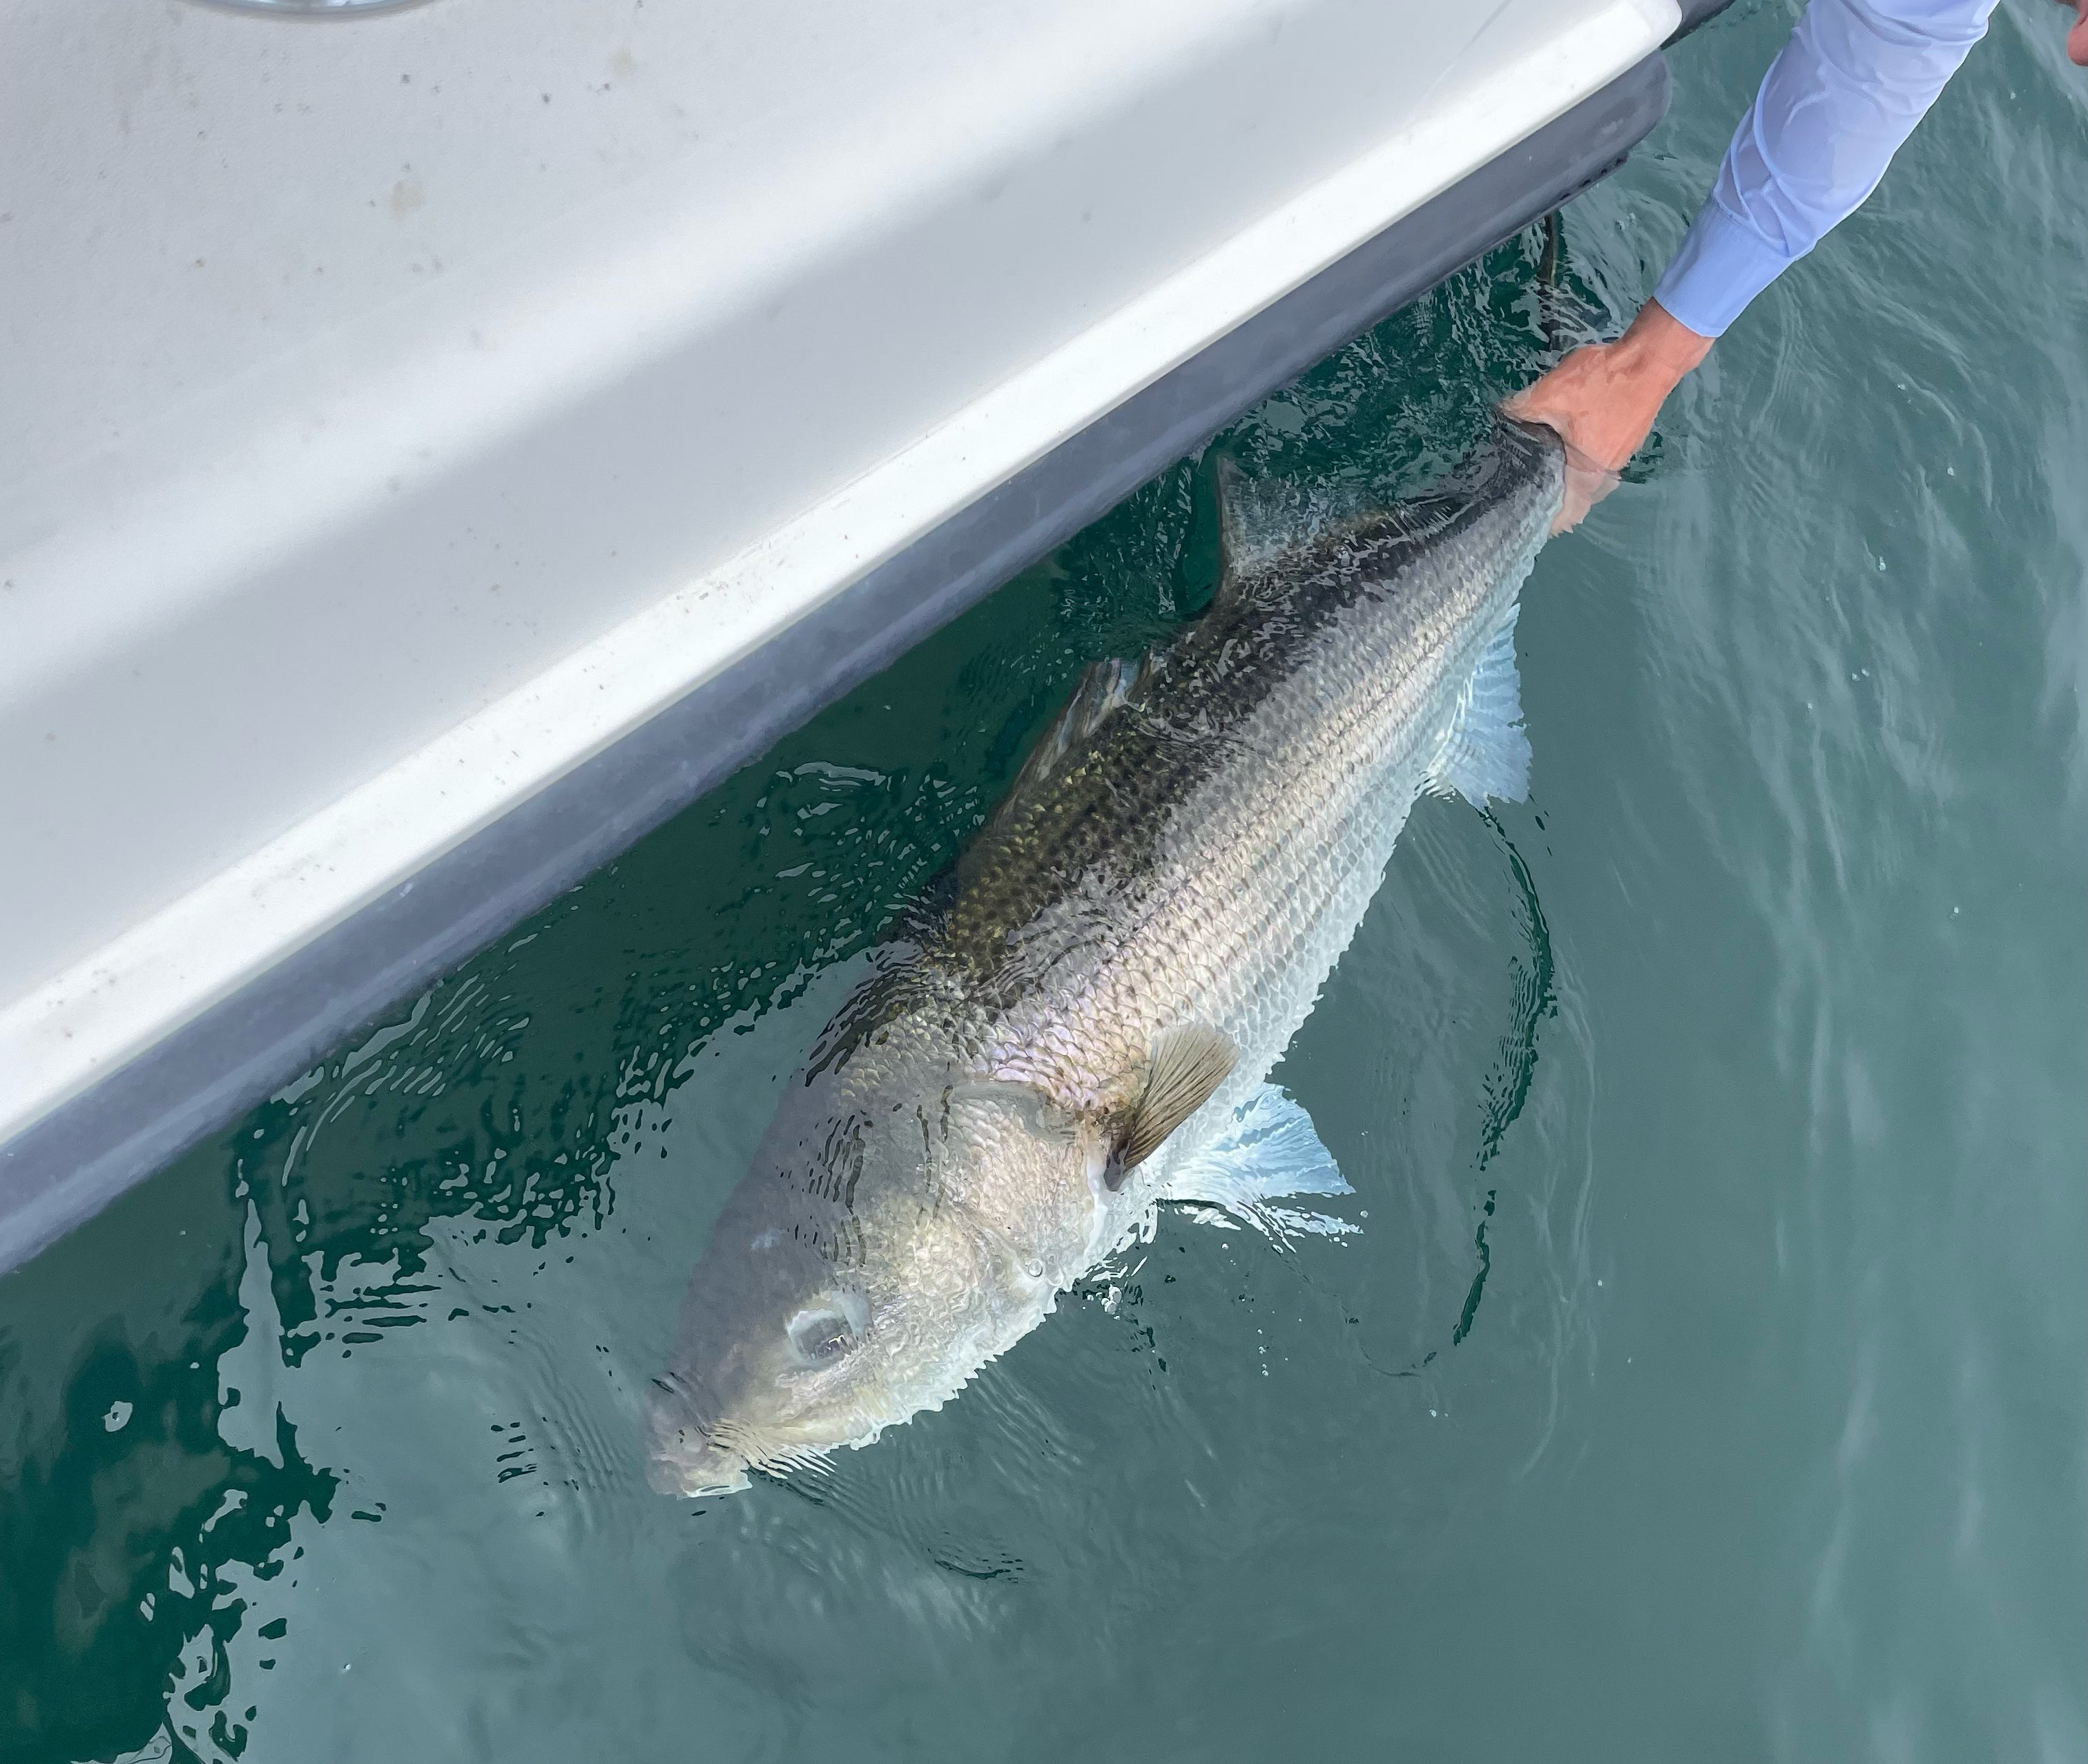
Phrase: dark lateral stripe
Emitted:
{"points": [[1106, 807]]}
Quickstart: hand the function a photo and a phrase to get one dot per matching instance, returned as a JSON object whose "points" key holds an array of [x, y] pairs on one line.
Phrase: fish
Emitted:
{"points": [[1099, 987]]}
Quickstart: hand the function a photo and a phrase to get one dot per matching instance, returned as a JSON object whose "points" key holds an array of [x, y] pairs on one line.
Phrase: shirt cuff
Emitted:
{"points": [[1723, 265]]}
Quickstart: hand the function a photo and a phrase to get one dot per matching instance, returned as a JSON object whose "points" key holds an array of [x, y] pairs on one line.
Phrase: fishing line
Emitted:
{"points": [[1547, 287]]}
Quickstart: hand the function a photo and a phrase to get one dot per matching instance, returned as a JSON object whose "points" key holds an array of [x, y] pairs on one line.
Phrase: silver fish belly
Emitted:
{"points": [[1118, 959]]}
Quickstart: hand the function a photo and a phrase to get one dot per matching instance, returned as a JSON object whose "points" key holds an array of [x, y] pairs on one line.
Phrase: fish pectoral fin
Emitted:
{"points": [[1186, 1066], [1486, 753]]}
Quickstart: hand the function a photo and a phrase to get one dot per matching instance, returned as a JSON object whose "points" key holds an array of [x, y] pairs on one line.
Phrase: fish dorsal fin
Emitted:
{"points": [[1186, 1066], [1104, 688], [1264, 520], [1235, 547], [1486, 753]]}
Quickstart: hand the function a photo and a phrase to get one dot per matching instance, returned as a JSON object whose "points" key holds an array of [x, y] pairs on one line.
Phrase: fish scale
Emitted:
{"points": [[1188, 851], [1275, 880]]}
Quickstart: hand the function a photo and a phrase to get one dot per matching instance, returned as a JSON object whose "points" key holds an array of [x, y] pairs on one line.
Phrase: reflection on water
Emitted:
{"points": [[1708, 1347], [147, 1533]]}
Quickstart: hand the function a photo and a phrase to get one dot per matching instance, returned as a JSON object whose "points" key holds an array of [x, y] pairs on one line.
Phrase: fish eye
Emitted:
{"points": [[826, 1329], [819, 1336]]}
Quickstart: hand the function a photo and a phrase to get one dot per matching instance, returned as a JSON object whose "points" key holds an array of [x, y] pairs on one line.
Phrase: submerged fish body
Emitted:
{"points": [[1122, 954]]}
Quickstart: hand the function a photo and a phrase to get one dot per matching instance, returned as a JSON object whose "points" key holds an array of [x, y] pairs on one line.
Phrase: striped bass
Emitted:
{"points": [[1113, 966]]}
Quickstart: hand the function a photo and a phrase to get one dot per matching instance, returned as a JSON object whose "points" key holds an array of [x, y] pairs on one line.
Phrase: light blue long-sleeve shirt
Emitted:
{"points": [[1835, 107]]}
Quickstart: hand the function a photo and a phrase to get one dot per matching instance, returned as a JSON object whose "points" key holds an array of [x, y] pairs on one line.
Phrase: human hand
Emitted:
{"points": [[2077, 39], [1601, 400]]}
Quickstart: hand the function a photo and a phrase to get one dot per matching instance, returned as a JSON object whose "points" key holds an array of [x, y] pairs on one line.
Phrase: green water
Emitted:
{"points": [[1705, 1379]]}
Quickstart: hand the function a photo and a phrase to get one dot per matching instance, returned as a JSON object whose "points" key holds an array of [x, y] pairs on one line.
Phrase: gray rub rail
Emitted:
{"points": [[81, 1157]]}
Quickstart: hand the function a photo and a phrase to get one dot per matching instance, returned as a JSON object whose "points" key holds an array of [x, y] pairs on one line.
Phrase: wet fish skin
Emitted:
{"points": [[1150, 914]]}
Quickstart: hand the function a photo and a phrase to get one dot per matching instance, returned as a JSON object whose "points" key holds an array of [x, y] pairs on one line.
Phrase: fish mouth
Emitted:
{"points": [[686, 1458], [710, 1470]]}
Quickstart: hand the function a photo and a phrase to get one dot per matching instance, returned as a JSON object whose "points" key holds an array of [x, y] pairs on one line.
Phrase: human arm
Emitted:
{"points": [[1845, 92]]}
